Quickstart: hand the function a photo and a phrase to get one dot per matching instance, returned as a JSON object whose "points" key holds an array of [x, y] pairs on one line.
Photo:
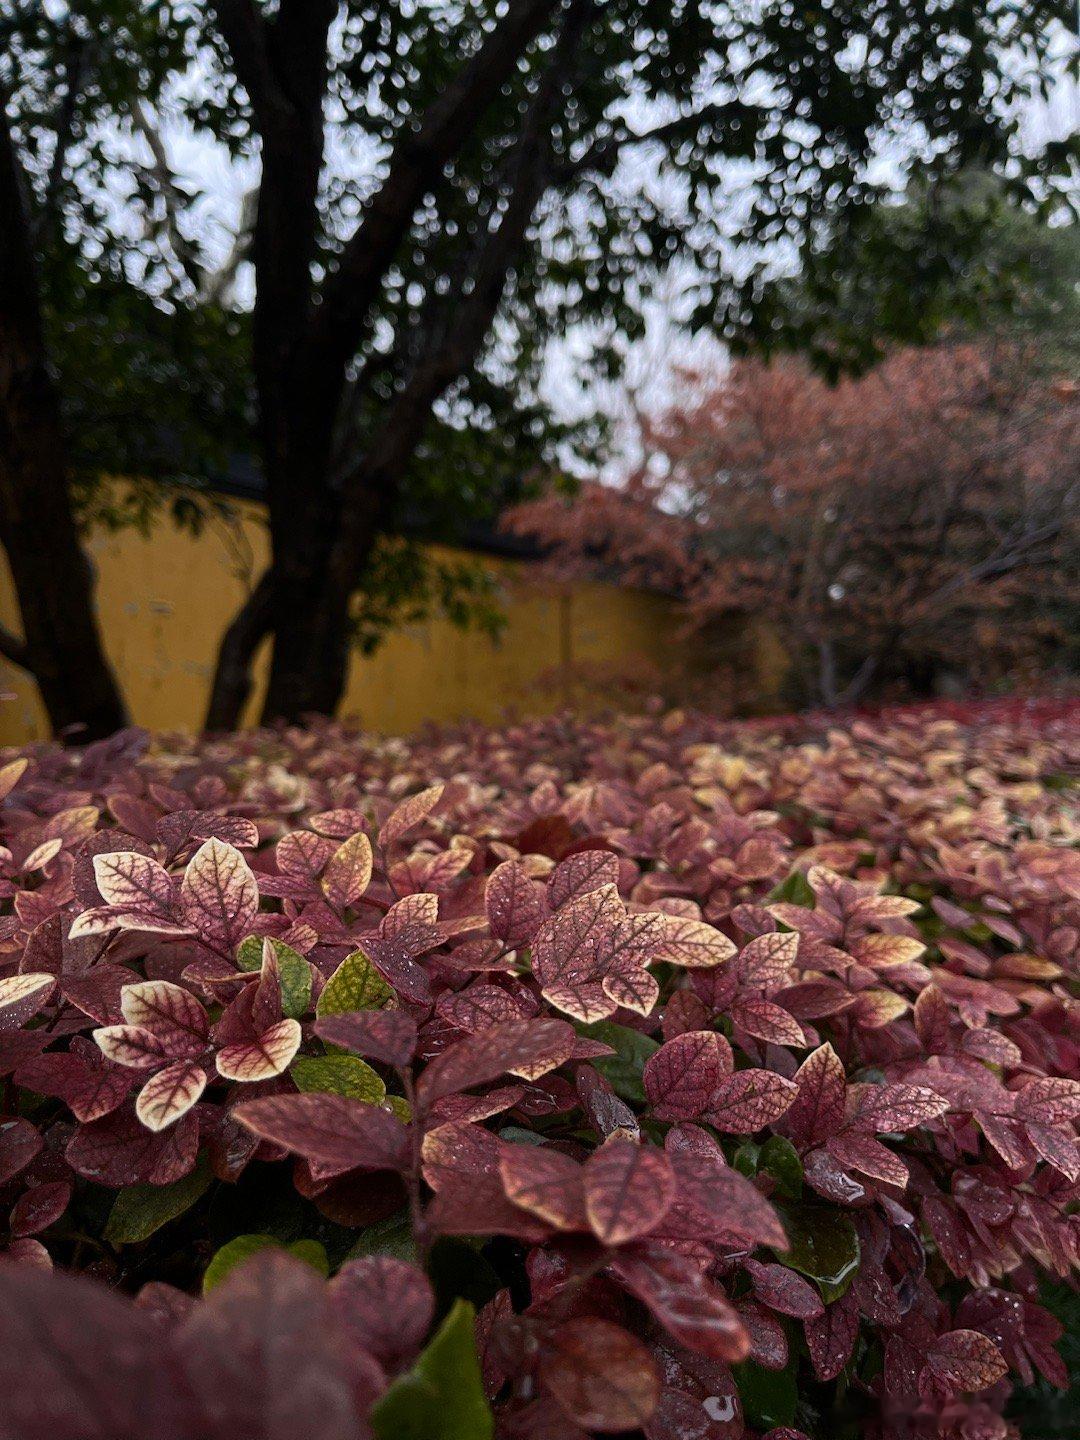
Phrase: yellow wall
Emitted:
{"points": [[164, 600]]}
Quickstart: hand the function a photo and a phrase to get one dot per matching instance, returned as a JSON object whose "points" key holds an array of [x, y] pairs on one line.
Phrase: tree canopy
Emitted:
{"points": [[919, 520], [432, 194]]}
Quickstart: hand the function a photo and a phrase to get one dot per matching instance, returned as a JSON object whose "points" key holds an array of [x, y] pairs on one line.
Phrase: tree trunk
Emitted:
{"points": [[232, 674], [37, 525], [317, 579], [324, 525]]}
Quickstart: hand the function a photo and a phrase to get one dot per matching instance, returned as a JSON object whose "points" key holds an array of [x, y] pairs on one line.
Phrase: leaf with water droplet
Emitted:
{"points": [[824, 1247]]}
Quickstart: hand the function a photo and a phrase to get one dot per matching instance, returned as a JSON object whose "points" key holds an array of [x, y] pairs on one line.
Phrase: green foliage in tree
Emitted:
{"points": [[956, 256]]}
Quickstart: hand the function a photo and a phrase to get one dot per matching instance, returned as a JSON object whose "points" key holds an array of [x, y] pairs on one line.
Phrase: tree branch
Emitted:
{"points": [[245, 32], [463, 322], [14, 649], [75, 70], [171, 196], [217, 284], [604, 154], [414, 165]]}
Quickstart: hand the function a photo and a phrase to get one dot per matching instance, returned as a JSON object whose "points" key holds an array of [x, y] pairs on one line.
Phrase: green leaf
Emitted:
{"points": [[824, 1247], [249, 953], [747, 1158], [339, 1075], [781, 1160], [295, 972], [295, 981], [233, 1254], [441, 1397], [795, 890], [312, 1253], [392, 1236], [244, 1246], [140, 1210], [769, 1397], [354, 985], [401, 1108], [623, 1069]]}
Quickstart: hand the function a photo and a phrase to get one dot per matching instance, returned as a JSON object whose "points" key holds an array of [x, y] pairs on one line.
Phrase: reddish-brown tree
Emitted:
{"points": [[920, 518]]}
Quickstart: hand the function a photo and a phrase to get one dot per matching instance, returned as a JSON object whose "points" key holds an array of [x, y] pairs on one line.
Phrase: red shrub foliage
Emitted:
{"points": [[654, 1075], [920, 519]]}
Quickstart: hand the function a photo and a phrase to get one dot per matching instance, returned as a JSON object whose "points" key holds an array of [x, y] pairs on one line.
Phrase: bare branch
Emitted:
{"points": [[171, 195], [414, 165]]}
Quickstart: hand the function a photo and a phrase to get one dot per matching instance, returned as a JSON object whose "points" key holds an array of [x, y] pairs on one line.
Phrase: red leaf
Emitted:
{"points": [[302, 856], [1058, 1146], [886, 1108], [409, 814], [1049, 1100], [480, 1006], [818, 1109], [385, 1035], [767, 960], [348, 871], [691, 1308], [22, 996], [767, 1021], [602, 1377], [97, 993], [39, 1208], [408, 929], [88, 1084], [142, 1049], [164, 1008], [749, 1100], [516, 905], [19, 1143], [529, 1048], [461, 1164], [682, 1077], [79, 1362], [386, 1305], [630, 989], [566, 953], [220, 896], [628, 1188], [768, 1338], [831, 1336], [265, 1358], [867, 1156], [546, 1183], [135, 882], [117, 1150], [933, 1021], [580, 874], [783, 1290], [170, 1094], [962, 1361], [726, 1207], [334, 1130], [465, 1109], [263, 1057], [692, 943]]}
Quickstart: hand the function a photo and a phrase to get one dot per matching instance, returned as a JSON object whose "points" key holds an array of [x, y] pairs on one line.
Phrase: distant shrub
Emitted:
{"points": [[653, 1075]]}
